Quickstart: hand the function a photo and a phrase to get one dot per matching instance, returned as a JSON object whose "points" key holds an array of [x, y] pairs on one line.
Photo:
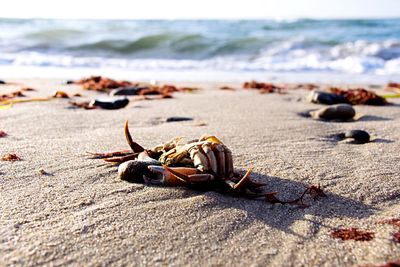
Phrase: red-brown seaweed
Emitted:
{"points": [[10, 157], [360, 96], [352, 234]]}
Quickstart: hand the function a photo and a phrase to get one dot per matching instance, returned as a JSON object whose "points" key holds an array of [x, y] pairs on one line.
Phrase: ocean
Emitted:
{"points": [[303, 49]]}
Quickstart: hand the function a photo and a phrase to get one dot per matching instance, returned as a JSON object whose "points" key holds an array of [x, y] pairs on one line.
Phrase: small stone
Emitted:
{"points": [[176, 119], [42, 172], [321, 97], [359, 136], [133, 90], [110, 103], [341, 112]]}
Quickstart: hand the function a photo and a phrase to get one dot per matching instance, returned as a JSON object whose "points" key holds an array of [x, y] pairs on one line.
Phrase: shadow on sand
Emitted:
{"points": [[282, 217], [374, 118]]}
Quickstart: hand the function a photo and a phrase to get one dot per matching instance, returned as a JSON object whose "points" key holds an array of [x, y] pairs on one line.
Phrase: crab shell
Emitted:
{"points": [[206, 160]]}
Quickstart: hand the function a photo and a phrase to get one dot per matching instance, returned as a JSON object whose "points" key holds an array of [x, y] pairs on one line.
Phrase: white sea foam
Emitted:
{"points": [[347, 47]]}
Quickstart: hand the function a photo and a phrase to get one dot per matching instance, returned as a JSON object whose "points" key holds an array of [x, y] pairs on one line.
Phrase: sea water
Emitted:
{"points": [[198, 50]]}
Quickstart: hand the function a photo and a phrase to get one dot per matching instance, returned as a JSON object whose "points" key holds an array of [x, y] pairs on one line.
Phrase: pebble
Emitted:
{"points": [[359, 136], [321, 97], [110, 103], [341, 112], [132, 90], [175, 119]]}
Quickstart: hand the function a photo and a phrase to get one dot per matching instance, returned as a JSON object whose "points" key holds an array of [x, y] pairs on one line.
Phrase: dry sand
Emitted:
{"points": [[80, 214]]}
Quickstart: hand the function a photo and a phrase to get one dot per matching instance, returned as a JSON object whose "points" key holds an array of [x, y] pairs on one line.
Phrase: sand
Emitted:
{"points": [[80, 214]]}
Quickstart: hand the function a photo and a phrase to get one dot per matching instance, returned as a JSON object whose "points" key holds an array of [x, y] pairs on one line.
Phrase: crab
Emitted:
{"points": [[203, 163]]}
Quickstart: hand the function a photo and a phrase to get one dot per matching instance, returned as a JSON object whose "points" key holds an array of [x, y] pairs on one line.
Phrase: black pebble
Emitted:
{"points": [[359, 136], [326, 98], [133, 90], [110, 103], [2, 82], [175, 119]]}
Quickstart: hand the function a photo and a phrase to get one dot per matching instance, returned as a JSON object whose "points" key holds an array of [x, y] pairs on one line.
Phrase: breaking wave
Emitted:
{"points": [[352, 46]]}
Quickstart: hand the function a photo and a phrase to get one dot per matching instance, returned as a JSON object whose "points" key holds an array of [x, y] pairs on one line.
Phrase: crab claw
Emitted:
{"points": [[164, 175], [134, 171], [243, 180], [135, 146]]}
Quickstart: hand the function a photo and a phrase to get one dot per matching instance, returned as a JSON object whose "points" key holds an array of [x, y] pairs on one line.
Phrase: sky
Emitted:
{"points": [[200, 9]]}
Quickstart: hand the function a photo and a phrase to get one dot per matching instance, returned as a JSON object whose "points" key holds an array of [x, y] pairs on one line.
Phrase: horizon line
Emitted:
{"points": [[213, 18]]}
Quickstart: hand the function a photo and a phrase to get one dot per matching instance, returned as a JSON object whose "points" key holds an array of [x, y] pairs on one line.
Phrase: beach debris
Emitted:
{"points": [[10, 157], [3, 134], [359, 136], [2, 82], [126, 88], [106, 103], [321, 97], [99, 83], [205, 163], [264, 88], [352, 234], [360, 96], [177, 119], [396, 237], [200, 124], [42, 171], [84, 105], [128, 91], [388, 264], [10, 102], [340, 112], [60, 94], [12, 95], [307, 86], [27, 89], [227, 88], [394, 87], [393, 221], [165, 90]]}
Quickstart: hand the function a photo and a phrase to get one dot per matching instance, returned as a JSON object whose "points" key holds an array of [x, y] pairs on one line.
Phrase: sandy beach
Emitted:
{"points": [[80, 214]]}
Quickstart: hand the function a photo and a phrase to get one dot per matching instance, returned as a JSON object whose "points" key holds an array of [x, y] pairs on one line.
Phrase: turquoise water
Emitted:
{"points": [[328, 46]]}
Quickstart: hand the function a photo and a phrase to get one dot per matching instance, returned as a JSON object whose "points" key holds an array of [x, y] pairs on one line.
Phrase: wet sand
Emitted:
{"points": [[79, 213]]}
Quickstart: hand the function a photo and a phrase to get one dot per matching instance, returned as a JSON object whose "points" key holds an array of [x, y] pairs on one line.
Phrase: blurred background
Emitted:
{"points": [[294, 40]]}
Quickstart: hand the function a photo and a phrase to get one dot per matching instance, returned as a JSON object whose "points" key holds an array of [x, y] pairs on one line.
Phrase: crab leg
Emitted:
{"points": [[109, 154], [122, 158], [135, 146], [244, 180], [212, 160], [200, 160], [179, 176], [189, 175], [228, 162], [220, 155]]}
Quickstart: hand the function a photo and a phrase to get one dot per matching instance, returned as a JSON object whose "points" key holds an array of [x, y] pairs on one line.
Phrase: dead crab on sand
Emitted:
{"points": [[204, 163]]}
